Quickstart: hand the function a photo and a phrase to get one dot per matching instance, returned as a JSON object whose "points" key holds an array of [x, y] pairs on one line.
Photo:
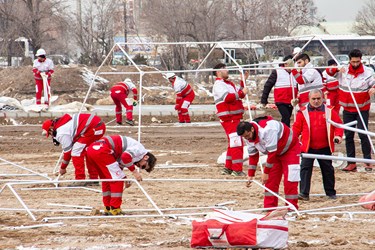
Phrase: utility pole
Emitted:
{"points": [[125, 25], [79, 12]]}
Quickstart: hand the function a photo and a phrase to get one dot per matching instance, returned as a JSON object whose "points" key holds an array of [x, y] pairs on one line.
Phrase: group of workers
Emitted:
{"points": [[319, 97]]}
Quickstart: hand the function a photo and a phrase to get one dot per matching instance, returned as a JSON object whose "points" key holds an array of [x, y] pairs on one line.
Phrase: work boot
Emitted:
{"points": [[352, 167], [303, 197], [116, 211], [130, 122], [106, 211], [226, 171], [368, 167], [238, 173]]}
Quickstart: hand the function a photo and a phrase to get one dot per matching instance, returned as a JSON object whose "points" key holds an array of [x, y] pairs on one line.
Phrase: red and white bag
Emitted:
{"points": [[223, 228], [367, 198]]}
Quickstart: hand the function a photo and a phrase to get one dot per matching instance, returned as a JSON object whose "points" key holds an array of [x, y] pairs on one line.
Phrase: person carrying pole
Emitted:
{"points": [[109, 156], [229, 108], [356, 86], [43, 70], [281, 145], [317, 137]]}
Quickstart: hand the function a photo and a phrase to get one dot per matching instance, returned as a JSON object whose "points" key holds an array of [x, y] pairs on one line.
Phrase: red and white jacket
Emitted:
{"points": [[39, 67], [272, 138], [183, 90], [125, 150], [283, 85], [69, 128], [306, 121], [331, 85], [227, 97], [360, 80], [124, 88], [308, 79]]}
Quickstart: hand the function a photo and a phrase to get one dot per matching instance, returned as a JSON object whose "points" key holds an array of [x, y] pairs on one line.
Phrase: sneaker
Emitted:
{"points": [[332, 197], [303, 197], [238, 173], [119, 123], [130, 122], [226, 171], [368, 167], [352, 167], [116, 211]]}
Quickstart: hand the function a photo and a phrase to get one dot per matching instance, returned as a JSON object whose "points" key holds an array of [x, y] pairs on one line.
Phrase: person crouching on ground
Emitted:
{"points": [[184, 96], [110, 156], [75, 133], [281, 145], [119, 93]]}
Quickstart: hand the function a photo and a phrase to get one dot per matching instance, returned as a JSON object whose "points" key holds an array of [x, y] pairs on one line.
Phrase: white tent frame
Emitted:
{"points": [[141, 73]]}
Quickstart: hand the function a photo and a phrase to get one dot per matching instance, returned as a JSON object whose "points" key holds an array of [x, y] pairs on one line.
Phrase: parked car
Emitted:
{"points": [[343, 59]]}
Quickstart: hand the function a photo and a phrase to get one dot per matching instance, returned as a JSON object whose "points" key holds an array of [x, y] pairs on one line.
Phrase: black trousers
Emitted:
{"points": [[349, 135], [286, 111], [328, 172]]}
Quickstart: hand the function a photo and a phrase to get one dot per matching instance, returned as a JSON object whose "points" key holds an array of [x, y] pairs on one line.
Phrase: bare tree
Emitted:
{"points": [[40, 21], [94, 30], [365, 22], [194, 20]]}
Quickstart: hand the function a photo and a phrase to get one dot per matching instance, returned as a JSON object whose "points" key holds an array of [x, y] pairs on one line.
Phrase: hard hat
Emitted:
{"points": [[169, 75], [296, 50], [47, 124], [127, 80], [40, 52]]}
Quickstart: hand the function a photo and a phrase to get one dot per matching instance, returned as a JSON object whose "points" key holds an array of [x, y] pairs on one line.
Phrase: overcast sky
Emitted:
{"points": [[339, 10]]}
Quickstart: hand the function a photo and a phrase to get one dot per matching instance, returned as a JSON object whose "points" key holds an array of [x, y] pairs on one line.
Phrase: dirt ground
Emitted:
{"points": [[194, 146]]}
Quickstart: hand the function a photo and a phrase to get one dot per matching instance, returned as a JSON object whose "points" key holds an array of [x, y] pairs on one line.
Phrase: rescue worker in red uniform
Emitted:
{"points": [[229, 109], [317, 137], [331, 88], [119, 94], [281, 145], [110, 155], [308, 78], [284, 85], [361, 81], [75, 133], [42, 65], [184, 96]]}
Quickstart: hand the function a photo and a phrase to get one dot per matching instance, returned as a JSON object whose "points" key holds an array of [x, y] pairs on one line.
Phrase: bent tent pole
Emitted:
{"points": [[346, 127], [329, 157]]}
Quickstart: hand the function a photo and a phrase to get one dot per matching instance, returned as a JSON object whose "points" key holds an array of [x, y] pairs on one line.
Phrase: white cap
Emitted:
{"points": [[169, 75], [296, 50], [40, 52]]}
